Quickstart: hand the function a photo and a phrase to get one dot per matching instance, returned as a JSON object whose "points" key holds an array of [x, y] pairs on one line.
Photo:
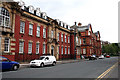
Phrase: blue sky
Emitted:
{"points": [[102, 14]]}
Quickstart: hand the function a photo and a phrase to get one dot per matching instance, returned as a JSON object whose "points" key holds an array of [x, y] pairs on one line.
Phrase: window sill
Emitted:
{"points": [[31, 35], [6, 51], [22, 33], [29, 53], [37, 53], [38, 36], [21, 53]]}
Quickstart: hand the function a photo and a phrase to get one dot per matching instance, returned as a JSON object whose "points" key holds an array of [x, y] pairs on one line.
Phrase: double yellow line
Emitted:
{"points": [[106, 72]]}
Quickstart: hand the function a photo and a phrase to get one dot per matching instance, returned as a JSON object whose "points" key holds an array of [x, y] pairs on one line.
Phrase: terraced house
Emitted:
{"points": [[27, 33]]}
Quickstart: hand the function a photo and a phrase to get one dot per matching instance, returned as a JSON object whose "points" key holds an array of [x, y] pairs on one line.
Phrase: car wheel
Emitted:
{"points": [[42, 65], [54, 63], [15, 67]]}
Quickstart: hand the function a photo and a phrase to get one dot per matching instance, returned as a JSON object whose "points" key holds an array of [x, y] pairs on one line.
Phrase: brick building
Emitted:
{"points": [[28, 33]]}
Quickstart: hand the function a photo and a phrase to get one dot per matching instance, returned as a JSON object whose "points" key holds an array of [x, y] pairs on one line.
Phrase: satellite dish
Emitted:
{"points": [[31, 9], [21, 3], [38, 12]]}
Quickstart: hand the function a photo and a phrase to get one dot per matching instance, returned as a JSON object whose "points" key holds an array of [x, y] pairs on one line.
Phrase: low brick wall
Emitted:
{"points": [[10, 57]]}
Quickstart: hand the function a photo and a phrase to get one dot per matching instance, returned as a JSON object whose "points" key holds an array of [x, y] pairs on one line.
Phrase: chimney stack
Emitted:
{"points": [[79, 24]]}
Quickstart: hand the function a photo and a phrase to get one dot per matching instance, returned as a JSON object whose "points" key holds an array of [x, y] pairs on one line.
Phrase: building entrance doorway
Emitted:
{"points": [[52, 50]]}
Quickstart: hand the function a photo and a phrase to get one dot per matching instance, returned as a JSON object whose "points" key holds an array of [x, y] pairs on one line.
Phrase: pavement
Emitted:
{"points": [[26, 64]]}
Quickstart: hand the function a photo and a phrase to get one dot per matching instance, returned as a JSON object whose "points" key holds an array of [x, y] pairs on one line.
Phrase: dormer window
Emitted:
{"points": [[63, 25], [38, 13], [4, 17], [31, 9], [60, 23], [67, 26], [44, 15], [89, 33]]}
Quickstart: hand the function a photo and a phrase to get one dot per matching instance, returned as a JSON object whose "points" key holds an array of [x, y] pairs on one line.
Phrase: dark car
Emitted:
{"points": [[93, 57], [6, 64]]}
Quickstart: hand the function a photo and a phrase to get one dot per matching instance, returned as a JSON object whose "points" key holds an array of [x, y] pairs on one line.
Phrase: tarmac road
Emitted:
{"points": [[83, 69]]}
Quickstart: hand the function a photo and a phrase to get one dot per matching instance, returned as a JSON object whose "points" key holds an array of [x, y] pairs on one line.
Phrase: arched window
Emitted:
{"points": [[4, 17]]}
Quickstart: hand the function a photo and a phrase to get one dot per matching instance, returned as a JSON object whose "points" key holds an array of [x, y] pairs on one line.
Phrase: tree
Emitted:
{"points": [[111, 49]]}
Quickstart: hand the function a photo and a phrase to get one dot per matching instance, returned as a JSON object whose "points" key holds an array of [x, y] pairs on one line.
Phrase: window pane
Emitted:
{"points": [[1, 23], [52, 34], [58, 36], [44, 33], [68, 50], [37, 48], [4, 17], [30, 48], [6, 45], [84, 41], [6, 22], [62, 37], [65, 38], [68, 39], [38, 31], [21, 46], [80, 41], [43, 48], [22, 27], [62, 50], [84, 51], [58, 49], [30, 29]]}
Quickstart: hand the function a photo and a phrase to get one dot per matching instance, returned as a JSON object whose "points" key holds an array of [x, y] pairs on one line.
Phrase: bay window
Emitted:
{"points": [[4, 17]]}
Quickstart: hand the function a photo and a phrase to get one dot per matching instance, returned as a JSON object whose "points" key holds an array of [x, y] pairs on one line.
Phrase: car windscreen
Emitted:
{"points": [[3, 59], [41, 58]]}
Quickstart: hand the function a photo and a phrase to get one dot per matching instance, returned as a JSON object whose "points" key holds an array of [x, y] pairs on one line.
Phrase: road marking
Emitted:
{"points": [[106, 72]]}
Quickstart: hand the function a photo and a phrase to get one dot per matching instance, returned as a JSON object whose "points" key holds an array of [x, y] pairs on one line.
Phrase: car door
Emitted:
{"points": [[6, 63], [47, 61]]}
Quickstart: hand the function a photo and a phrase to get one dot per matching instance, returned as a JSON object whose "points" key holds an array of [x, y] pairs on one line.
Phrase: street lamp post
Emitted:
{"points": [[75, 40]]}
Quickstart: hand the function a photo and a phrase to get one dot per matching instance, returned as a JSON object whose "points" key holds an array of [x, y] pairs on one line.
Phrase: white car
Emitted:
{"points": [[101, 57], [43, 60]]}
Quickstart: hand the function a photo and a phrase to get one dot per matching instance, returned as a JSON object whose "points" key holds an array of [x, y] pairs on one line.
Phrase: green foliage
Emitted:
{"points": [[111, 49]]}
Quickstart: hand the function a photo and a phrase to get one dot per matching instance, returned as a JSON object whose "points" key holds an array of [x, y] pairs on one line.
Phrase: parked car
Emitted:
{"points": [[43, 60], [107, 56], [6, 64], [93, 57], [101, 57]]}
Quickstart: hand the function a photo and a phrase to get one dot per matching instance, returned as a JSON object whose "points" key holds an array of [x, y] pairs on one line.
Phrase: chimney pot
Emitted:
{"points": [[79, 24]]}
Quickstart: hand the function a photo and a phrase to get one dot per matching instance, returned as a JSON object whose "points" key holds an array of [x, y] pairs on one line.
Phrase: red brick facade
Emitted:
{"points": [[36, 35]]}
